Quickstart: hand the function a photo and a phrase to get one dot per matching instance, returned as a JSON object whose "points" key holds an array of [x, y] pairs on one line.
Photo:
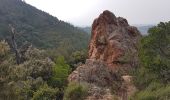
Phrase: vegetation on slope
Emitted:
{"points": [[153, 75], [39, 28], [36, 78]]}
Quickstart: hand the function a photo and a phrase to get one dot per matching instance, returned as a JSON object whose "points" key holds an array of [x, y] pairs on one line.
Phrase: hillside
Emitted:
{"points": [[87, 29], [39, 28], [144, 28]]}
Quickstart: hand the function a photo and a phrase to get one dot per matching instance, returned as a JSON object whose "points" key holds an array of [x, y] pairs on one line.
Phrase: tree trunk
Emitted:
{"points": [[14, 45]]}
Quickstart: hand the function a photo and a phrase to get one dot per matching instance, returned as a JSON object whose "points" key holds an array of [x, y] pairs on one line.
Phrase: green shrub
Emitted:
{"points": [[144, 78], [76, 91], [45, 93], [60, 73], [155, 91], [155, 51], [153, 75], [22, 82]]}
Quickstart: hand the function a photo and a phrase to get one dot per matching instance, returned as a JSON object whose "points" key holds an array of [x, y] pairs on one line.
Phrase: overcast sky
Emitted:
{"points": [[83, 12]]}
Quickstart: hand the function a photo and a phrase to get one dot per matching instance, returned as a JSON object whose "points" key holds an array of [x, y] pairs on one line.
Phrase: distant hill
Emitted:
{"points": [[142, 28], [87, 29], [39, 28]]}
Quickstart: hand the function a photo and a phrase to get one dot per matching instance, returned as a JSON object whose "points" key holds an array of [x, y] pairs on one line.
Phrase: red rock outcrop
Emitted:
{"points": [[113, 46], [114, 41]]}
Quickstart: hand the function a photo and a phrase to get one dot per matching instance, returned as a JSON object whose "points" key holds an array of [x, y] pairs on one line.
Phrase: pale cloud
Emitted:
{"points": [[83, 12]]}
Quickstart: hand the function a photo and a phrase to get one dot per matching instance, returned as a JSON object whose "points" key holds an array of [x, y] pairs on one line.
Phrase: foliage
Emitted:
{"points": [[154, 56], [144, 77], [40, 29], [4, 48], [155, 53], [76, 91], [27, 80], [153, 75], [45, 93], [79, 56], [76, 58], [155, 91], [60, 72]]}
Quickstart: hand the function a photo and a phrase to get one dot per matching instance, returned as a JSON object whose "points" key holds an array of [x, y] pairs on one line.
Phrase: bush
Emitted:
{"points": [[45, 93], [60, 73], [144, 78], [155, 91], [76, 91], [4, 49], [23, 81], [155, 51], [153, 75]]}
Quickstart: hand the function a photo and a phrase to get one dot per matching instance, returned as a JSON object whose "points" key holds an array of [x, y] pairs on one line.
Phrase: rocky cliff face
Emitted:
{"points": [[113, 48], [114, 41]]}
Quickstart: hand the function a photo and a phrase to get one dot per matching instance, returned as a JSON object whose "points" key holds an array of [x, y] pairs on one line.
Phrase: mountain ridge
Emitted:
{"points": [[38, 27]]}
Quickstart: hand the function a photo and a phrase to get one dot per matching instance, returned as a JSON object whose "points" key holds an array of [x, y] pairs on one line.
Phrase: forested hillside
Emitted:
{"points": [[39, 74], [39, 28]]}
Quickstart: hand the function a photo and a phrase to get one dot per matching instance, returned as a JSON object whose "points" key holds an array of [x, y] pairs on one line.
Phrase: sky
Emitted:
{"points": [[83, 12]]}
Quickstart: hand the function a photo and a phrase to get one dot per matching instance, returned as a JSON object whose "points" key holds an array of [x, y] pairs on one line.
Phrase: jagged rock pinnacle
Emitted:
{"points": [[114, 41], [113, 47]]}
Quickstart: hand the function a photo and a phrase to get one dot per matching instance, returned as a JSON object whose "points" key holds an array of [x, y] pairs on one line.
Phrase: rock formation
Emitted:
{"points": [[114, 41], [113, 51]]}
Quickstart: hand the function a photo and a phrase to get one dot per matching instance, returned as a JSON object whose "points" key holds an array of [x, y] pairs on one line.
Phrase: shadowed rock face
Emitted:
{"points": [[114, 41]]}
